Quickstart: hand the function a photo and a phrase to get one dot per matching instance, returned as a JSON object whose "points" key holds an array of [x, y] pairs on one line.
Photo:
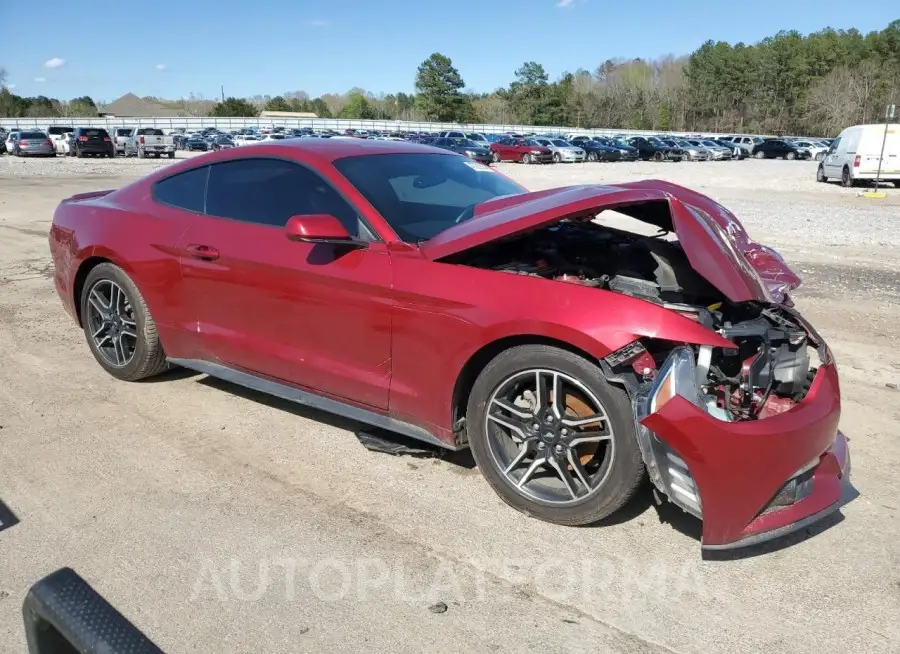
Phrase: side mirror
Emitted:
{"points": [[319, 228]]}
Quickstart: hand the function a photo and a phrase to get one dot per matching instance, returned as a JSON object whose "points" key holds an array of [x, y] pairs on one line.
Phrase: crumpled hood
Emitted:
{"points": [[713, 239]]}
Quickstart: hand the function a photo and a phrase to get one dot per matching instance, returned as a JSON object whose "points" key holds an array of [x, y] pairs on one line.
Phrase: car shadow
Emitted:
{"points": [[463, 458], [7, 517], [172, 374]]}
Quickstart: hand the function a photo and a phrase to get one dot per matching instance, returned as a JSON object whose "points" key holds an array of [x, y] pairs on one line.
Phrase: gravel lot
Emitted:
{"points": [[221, 520]]}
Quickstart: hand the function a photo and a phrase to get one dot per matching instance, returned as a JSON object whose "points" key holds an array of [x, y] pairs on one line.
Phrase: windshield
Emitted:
{"points": [[32, 135], [421, 195], [710, 143], [560, 143], [476, 137], [466, 143]]}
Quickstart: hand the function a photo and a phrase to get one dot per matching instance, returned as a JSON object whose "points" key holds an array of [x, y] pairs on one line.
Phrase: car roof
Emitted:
{"points": [[333, 149]]}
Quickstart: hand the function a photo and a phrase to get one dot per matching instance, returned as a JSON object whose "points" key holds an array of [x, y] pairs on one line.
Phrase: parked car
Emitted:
{"points": [[853, 156], [628, 152], [520, 149], [651, 148], [464, 147], [92, 141], [481, 140], [595, 150], [563, 151], [59, 135], [196, 142], [715, 151], [817, 150], [389, 264], [121, 136], [10, 141], [32, 143], [737, 152], [775, 148], [746, 143], [690, 152], [222, 142], [150, 142]]}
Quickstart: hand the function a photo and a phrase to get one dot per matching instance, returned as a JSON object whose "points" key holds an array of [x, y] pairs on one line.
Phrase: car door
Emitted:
{"points": [[314, 315], [832, 162]]}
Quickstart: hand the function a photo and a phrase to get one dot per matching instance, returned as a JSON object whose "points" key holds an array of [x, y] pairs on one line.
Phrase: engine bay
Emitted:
{"points": [[768, 371], [582, 252]]}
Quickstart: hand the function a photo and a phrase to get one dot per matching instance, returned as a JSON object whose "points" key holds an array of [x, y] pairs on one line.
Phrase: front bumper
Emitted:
{"points": [[750, 481]]}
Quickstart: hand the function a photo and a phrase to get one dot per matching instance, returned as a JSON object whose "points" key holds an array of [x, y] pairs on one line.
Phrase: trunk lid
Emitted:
{"points": [[714, 241]]}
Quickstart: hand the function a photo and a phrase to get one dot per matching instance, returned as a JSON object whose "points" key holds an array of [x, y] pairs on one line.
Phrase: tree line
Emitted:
{"points": [[812, 84]]}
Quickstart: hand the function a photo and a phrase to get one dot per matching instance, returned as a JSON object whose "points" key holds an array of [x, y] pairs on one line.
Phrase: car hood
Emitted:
{"points": [[714, 241]]}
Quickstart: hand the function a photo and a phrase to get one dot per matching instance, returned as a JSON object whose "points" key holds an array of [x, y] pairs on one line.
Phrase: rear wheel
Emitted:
{"points": [[171, 155], [556, 157], [820, 156], [552, 437], [846, 179], [118, 326], [592, 156], [790, 156]]}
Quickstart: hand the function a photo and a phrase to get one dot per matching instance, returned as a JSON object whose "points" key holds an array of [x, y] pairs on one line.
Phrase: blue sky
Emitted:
{"points": [[170, 48]]}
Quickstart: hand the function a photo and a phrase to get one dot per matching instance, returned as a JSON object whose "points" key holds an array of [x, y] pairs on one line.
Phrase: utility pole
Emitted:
{"points": [[888, 115], [222, 88]]}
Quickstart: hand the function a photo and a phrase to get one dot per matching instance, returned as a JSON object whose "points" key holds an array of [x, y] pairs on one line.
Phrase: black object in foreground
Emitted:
{"points": [[65, 615], [380, 440]]}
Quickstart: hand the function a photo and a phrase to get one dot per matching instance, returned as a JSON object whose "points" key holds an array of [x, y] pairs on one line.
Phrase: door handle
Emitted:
{"points": [[202, 252]]}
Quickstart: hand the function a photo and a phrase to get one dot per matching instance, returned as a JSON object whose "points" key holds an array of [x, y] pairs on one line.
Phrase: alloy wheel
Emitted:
{"points": [[113, 327], [550, 436]]}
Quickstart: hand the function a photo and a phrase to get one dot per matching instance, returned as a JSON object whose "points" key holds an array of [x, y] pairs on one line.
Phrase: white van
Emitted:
{"points": [[854, 155]]}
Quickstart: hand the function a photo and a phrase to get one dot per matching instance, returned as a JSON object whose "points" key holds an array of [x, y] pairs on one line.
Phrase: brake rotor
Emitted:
{"points": [[578, 408]]}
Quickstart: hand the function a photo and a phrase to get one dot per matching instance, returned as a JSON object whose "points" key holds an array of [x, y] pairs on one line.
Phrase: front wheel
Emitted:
{"points": [[526, 158], [790, 156], [820, 175], [820, 156], [556, 157], [495, 157], [118, 326], [592, 156], [552, 437], [760, 155]]}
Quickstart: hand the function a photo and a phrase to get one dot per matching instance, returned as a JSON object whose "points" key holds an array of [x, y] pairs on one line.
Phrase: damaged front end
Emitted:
{"points": [[744, 438]]}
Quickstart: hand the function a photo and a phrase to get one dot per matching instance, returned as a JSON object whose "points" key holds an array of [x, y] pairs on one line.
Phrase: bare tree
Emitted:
{"points": [[195, 105]]}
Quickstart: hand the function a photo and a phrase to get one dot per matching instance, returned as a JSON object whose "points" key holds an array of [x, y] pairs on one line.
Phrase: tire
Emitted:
{"points": [[820, 156], [557, 158], [171, 155], [495, 157], [820, 174], [79, 154], [620, 470], [526, 158], [148, 357], [790, 156], [658, 156], [140, 153], [592, 156], [846, 180], [760, 155]]}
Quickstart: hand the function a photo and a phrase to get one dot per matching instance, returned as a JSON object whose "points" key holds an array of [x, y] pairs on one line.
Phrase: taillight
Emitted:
{"points": [[24, 143], [106, 138], [856, 161], [50, 143], [82, 138], [142, 140]]}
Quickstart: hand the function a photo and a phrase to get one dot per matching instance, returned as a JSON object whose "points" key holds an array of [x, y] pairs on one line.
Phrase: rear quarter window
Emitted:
{"points": [[185, 190]]}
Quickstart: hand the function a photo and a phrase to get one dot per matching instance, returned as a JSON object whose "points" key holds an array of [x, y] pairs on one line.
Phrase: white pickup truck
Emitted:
{"points": [[148, 141]]}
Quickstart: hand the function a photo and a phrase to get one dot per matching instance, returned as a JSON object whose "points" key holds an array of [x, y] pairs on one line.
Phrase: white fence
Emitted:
{"points": [[337, 124]]}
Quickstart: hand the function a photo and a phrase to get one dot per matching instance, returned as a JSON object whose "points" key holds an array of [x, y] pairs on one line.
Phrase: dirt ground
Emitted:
{"points": [[221, 520]]}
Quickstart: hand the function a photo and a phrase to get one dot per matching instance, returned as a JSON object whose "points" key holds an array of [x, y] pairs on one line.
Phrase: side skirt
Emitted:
{"points": [[306, 398]]}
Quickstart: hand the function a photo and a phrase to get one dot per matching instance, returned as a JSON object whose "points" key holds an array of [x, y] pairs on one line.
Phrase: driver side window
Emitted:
{"points": [[834, 146]]}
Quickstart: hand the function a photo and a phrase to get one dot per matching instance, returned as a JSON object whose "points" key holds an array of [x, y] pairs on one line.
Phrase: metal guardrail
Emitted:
{"points": [[64, 615], [338, 124]]}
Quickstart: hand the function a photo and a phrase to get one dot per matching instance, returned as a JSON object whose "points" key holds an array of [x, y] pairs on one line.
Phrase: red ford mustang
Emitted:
{"points": [[415, 290]]}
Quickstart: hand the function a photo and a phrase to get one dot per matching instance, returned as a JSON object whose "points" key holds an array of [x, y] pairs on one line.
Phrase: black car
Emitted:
{"points": [[651, 148], [196, 143], [774, 148], [628, 152], [465, 147], [595, 150], [91, 141]]}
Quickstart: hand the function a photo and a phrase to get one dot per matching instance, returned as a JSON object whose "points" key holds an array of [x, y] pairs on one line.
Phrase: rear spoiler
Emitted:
{"points": [[92, 195]]}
